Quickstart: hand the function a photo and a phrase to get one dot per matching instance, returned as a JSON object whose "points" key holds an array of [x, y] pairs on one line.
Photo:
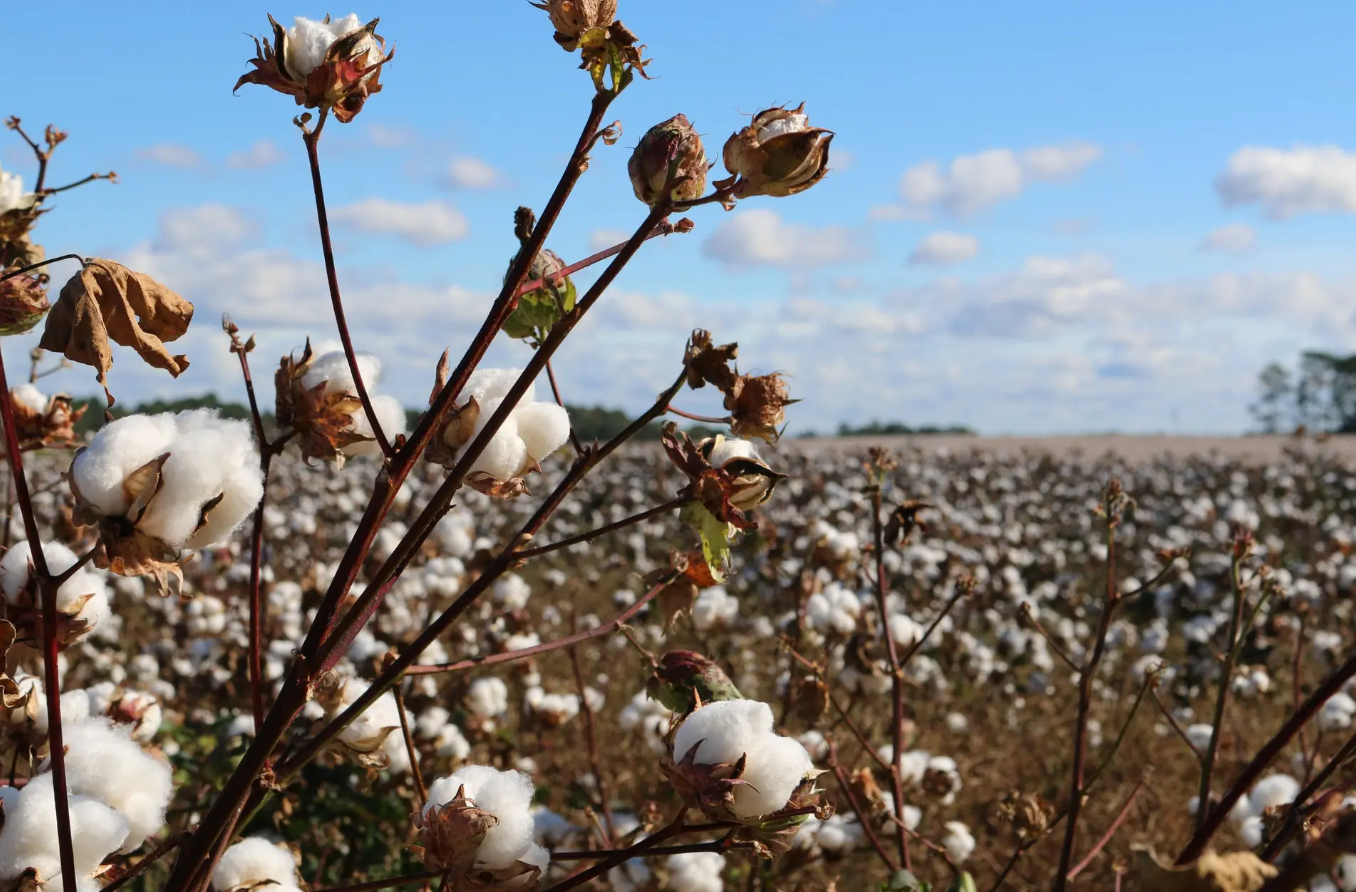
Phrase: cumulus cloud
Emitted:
{"points": [[602, 239], [944, 249], [1235, 238], [1287, 182], [471, 173], [170, 154], [421, 223], [262, 154], [969, 183], [205, 229], [761, 238]]}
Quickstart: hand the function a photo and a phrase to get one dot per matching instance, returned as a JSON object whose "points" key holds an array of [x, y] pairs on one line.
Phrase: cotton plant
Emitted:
{"points": [[159, 485], [479, 822], [256, 862], [531, 433]]}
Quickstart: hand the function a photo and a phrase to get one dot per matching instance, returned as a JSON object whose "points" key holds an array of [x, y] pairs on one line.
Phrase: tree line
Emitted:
{"points": [[1318, 394]]}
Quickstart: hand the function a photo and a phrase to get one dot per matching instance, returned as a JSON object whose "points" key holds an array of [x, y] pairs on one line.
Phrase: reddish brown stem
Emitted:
{"points": [[51, 647], [863, 818], [557, 277], [1111, 831], [420, 790], [312, 140], [896, 679], [1226, 676], [706, 419], [591, 739]]}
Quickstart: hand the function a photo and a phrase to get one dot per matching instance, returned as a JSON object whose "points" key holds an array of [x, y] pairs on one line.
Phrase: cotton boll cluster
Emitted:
{"points": [[714, 608], [505, 794], [255, 862], [696, 872], [728, 730], [208, 485], [833, 610], [330, 368], [104, 763], [647, 717], [84, 598], [531, 432], [29, 838]]}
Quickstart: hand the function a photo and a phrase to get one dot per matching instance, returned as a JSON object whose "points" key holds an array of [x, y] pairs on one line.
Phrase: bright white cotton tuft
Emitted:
{"points": [[12, 194], [104, 763], [84, 584], [505, 794], [724, 731], [330, 367], [531, 432], [29, 397], [308, 40], [1273, 791], [255, 860], [211, 460], [30, 836], [958, 841], [488, 697]]}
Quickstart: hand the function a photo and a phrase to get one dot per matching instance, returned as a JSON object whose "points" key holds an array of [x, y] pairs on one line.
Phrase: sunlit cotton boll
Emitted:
{"points": [[104, 763], [714, 607], [29, 839], [835, 610], [531, 432], [724, 731], [308, 41], [488, 697], [83, 584], [209, 484], [330, 367], [252, 861], [505, 794], [1273, 791], [958, 841]]}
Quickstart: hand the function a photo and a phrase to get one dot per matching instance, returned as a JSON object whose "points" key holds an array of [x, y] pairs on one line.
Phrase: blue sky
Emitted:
{"points": [[1053, 217]]}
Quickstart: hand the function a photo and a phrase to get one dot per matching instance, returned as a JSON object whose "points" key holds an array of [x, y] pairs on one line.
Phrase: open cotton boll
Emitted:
{"points": [[696, 872], [958, 841], [103, 762], [1273, 791], [505, 794], [29, 397], [390, 415], [511, 592], [254, 860], [308, 41], [210, 457], [544, 428], [772, 775], [84, 585], [488, 697], [29, 839], [118, 449], [1199, 735], [494, 384]]}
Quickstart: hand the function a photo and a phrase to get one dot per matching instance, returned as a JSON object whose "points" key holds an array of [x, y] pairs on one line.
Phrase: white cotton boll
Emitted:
{"points": [[504, 456], [117, 450], [390, 415], [29, 397], [103, 762], [505, 794], [30, 835], [727, 449], [771, 776], [1346, 873], [211, 456], [511, 592], [494, 384], [632, 876], [1199, 735], [254, 860], [696, 872], [1337, 713], [12, 194], [905, 631], [1252, 831], [84, 585], [309, 40], [1274, 791], [488, 697], [958, 842], [815, 744], [544, 428], [452, 744], [835, 609], [74, 706], [714, 607], [430, 722]]}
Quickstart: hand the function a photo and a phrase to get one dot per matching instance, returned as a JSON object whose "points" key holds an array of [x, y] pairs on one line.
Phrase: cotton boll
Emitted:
{"points": [[723, 731], [696, 872], [488, 697], [29, 397], [494, 384], [958, 841], [772, 775], [511, 592], [390, 415], [544, 428], [1273, 791], [505, 794], [714, 607], [104, 763], [308, 41], [504, 456], [1252, 830], [727, 449], [117, 450], [329, 366], [30, 835], [1346, 873], [84, 585], [254, 860], [1200, 735]]}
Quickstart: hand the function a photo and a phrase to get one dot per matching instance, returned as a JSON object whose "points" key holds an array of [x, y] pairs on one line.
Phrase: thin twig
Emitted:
{"points": [[1226, 678], [558, 277], [705, 419], [896, 675], [863, 819], [589, 536], [9, 274], [1111, 831], [419, 787]]}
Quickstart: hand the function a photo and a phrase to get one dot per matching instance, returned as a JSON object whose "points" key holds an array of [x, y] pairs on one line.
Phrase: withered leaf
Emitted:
{"points": [[107, 301], [1239, 871]]}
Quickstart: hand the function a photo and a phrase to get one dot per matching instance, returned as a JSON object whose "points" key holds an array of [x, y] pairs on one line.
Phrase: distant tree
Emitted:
{"points": [[1274, 395], [896, 429]]}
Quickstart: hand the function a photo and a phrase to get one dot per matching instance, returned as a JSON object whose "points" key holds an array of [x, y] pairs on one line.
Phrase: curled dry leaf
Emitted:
{"points": [[107, 301], [1231, 872], [322, 418]]}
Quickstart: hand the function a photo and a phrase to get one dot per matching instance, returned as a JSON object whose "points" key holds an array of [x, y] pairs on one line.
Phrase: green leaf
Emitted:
{"points": [[962, 883], [715, 535], [904, 881]]}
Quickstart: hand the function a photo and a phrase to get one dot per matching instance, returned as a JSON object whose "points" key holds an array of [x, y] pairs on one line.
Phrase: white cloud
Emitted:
{"points": [[944, 249], [471, 173], [761, 238], [389, 137], [1287, 182], [205, 229], [420, 223], [602, 239], [262, 154], [1235, 238], [969, 183], [170, 154]]}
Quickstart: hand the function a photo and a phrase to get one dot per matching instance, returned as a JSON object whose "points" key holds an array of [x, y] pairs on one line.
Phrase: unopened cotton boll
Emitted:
{"points": [[104, 763], [505, 794], [29, 839], [252, 861], [727, 730]]}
